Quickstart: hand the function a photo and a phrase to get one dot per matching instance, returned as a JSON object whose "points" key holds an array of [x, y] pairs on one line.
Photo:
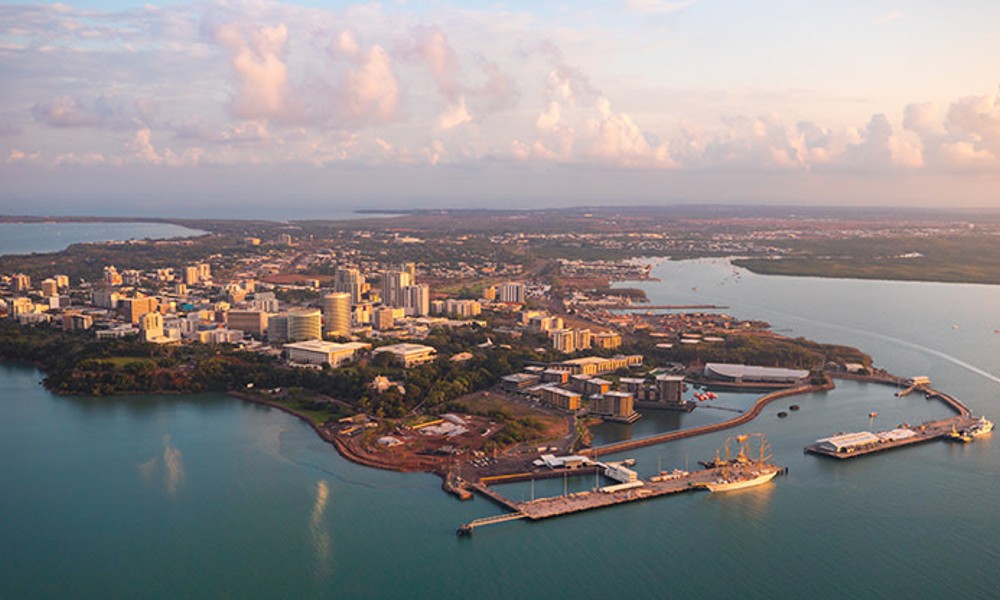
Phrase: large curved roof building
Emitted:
{"points": [[753, 374]]}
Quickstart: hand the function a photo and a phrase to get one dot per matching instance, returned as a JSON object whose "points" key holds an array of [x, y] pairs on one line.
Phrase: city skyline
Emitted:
{"points": [[303, 109]]}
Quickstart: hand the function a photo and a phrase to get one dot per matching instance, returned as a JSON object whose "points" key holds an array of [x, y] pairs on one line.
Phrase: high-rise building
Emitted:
{"points": [[512, 292], [393, 283], [204, 272], [304, 324], [62, 281], [348, 280], [563, 340], [462, 308], [337, 314], [151, 326], [417, 300], [191, 275], [490, 293], [411, 270], [383, 319], [112, 276], [105, 298], [22, 282], [277, 328], [133, 308], [49, 288], [253, 322], [670, 389], [265, 301]]}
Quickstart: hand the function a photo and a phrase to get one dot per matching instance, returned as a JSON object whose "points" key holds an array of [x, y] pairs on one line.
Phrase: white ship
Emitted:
{"points": [[740, 482], [980, 428], [745, 470]]}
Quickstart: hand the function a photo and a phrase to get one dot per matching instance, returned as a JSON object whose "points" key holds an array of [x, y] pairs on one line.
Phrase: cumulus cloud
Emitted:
{"points": [[370, 89], [258, 61], [455, 115]]}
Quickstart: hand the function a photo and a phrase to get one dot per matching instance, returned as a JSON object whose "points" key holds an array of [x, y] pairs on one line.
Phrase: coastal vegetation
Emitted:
{"points": [[76, 363], [956, 259]]}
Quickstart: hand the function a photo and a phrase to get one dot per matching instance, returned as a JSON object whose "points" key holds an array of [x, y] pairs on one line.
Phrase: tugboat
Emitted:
{"points": [[743, 471], [959, 436]]}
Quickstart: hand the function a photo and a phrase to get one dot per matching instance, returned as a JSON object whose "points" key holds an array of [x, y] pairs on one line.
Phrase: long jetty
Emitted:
{"points": [[547, 508], [742, 419]]}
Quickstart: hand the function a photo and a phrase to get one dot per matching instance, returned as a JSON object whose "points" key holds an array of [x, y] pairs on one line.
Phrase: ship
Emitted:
{"points": [[724, 485], [745, 470], [980, 428]]}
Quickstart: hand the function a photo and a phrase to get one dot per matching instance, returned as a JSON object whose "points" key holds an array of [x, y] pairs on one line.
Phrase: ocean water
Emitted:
{"points": [[25, 238], [206, 496]]}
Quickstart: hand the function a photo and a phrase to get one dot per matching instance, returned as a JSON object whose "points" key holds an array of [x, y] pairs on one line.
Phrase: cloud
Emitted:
{"points": [[143, 147], [455, 115], [258, 62], [65, 111], [658, 6], [370, 89], [889, 17], [619, 139]]}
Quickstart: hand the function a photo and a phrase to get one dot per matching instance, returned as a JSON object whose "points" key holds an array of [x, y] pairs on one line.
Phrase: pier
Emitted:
{"points": [[547, 508], [925, 432]]}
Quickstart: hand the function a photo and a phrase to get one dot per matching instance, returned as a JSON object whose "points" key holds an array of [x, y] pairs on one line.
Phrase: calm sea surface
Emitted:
{"points": [[205, 496], [25, 238]]}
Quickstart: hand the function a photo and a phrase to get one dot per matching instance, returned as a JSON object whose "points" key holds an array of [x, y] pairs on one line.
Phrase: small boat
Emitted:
{"points": [[793, 407], [872, 415], [782, 415]]}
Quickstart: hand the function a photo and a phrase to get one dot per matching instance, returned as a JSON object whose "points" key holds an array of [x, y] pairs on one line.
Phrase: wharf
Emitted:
{"points": [[925, 432], [545, 508]]}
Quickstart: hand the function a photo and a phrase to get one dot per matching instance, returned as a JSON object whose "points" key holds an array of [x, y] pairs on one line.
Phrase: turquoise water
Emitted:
{"points": [[194, 497], [25, 238]]}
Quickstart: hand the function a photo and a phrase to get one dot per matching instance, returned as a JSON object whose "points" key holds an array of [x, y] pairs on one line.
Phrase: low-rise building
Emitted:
{"points": [[317, 352], [409, 354]]}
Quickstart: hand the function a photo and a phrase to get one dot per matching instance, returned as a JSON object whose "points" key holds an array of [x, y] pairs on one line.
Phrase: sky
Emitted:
{"points": [[266, 109]]}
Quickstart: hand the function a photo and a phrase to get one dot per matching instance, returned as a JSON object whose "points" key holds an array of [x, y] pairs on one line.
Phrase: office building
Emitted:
{"points": [[393, 283], [417, 300], [337, 314], [22, 282], [512, 292], [191, 275], [317, 352], [409, 355], [277, 328], [348, 280], [134, 308], [49, 288], [304, 324], [383, 318], [151, 326], [253, 322]]}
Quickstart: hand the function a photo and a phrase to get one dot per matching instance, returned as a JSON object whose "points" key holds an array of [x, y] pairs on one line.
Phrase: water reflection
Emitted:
{"points": [[175, 467], [173, 464], [320, 536]]}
